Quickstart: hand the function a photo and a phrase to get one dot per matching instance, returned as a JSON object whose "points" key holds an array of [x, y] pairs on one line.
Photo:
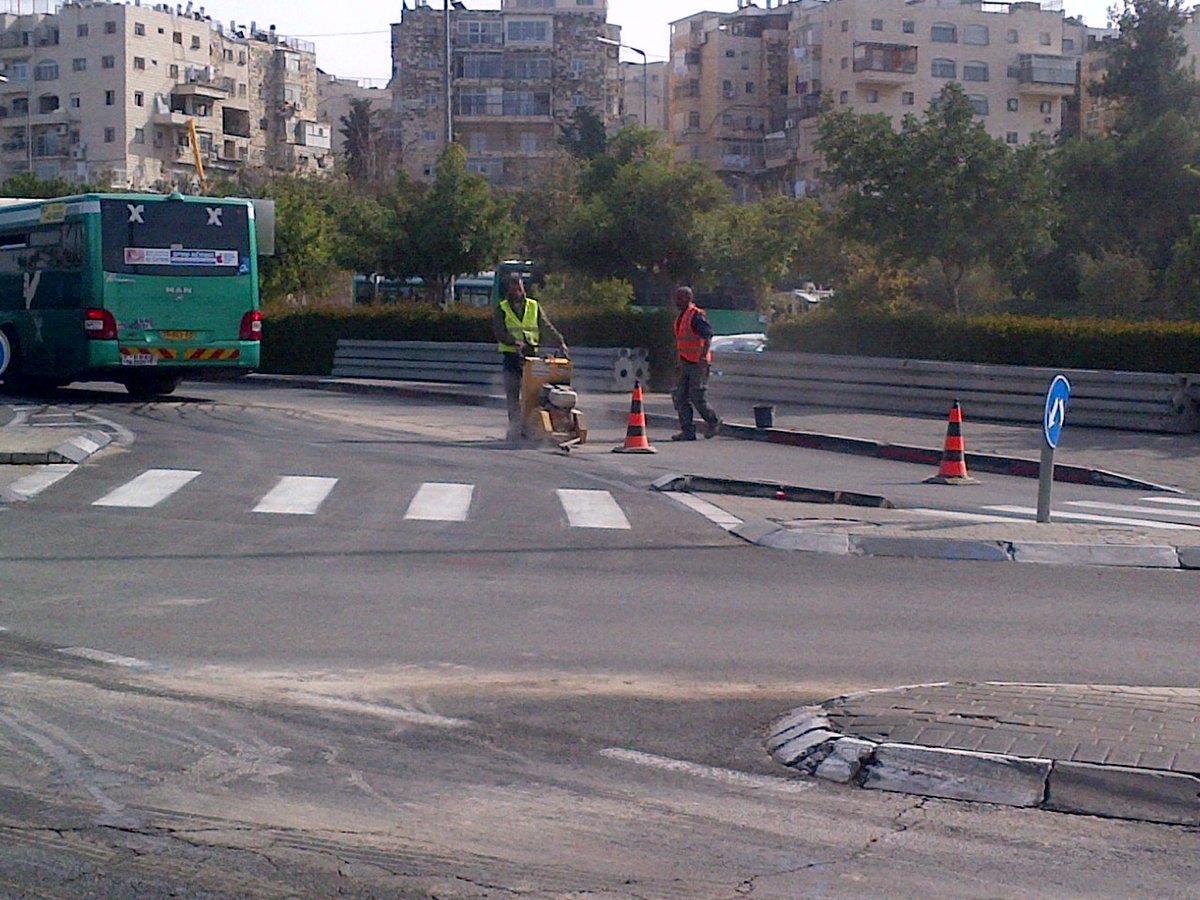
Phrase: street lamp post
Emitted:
{"points": [[645, 76], [446, 93]]}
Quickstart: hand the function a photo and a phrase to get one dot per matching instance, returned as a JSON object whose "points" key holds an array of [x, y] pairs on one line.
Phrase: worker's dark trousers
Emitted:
{"points": [[512, 393], [691, 386]]}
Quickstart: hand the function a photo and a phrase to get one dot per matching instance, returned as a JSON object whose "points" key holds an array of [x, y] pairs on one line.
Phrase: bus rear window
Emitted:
{"points": [[148, 237]]}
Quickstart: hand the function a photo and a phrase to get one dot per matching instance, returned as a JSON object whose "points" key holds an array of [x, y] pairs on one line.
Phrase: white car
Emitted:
{"points": [[739, 343]]}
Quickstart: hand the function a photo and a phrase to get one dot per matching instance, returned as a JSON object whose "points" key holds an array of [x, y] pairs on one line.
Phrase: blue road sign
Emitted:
{"points": [[5, 352], [1056, 409]]}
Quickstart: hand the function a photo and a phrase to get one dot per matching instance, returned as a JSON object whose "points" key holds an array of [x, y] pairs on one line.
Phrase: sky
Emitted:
{"points": [[353, 36]]}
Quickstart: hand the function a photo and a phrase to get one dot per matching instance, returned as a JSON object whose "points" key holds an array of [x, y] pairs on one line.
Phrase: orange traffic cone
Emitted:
{"points": [[635, 434], [953, 469]]}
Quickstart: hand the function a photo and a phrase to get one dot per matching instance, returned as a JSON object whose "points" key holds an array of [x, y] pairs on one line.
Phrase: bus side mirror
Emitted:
{"points": [[264, 226]]}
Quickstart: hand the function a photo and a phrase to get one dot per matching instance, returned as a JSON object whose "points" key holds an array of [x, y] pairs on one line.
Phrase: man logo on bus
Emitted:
{"points": [[214, 216], [135, 213]]}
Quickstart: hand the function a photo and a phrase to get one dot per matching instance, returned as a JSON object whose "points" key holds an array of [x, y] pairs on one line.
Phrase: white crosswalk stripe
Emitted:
{"points": [[296, 495], [1059, 516], [149, 489], [1171, 501], [436, 502], [592, 509], [1135, 510]]}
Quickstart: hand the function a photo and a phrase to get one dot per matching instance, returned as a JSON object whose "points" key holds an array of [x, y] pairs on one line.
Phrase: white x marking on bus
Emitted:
{"points": [[135, 213], [214, 216]]}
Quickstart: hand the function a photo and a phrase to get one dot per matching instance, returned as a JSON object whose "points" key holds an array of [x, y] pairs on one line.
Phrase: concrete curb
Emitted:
{"points": [[805, 740], [771, 489], [73, 450]]}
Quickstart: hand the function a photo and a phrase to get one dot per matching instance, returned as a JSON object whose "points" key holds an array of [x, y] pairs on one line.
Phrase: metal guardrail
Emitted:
{"points": [[1142, 401], [601, 369]]}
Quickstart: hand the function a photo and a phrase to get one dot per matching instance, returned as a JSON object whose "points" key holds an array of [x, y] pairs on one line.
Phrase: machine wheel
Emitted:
{"points": [[145, 385]]}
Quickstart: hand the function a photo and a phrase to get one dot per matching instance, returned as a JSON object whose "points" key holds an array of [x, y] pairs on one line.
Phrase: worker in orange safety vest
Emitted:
{"points": [[693, 340]]}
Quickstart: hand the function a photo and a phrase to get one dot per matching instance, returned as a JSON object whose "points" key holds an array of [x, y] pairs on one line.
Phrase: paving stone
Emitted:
{"points": [[795, 750], [1143, 556], [957, 775], [845, 759], [928, 548], [810, 541], [1124, 793]]}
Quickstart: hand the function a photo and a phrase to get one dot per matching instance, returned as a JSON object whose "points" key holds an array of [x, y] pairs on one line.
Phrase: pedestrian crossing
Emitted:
{"points": [[1160, 513], [306, 495]]}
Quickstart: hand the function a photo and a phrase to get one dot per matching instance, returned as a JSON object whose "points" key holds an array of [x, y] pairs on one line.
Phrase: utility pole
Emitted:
{"points": [[446, 94]]}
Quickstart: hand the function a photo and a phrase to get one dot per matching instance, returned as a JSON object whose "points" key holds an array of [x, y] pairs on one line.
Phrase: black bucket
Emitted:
{"points": [[764, 416]]}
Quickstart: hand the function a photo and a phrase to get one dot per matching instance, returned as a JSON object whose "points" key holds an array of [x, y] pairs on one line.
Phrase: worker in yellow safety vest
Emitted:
{"points": [[518, 322], [693, 340]]}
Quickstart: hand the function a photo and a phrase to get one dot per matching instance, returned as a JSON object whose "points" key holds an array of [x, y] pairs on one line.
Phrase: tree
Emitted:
{"points": [[458, 226], [304, 262], [1145, 71], [584, 136], [364, 142], [938, 189]]}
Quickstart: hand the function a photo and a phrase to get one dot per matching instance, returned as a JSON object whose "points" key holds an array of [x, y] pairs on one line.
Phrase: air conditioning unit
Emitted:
{"points": [[789, 123], [1049, 120]]}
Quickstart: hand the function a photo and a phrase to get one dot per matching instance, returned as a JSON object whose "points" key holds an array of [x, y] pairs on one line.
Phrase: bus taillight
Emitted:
{"points": [[99, 325], [251, 329]]}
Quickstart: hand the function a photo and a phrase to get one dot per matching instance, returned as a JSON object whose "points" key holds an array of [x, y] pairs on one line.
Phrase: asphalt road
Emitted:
{"points": [[348, 700]]}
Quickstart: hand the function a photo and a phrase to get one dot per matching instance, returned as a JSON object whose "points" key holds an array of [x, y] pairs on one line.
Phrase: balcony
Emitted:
{"points": [[1055, 76], [877, 63], [170, 118]]}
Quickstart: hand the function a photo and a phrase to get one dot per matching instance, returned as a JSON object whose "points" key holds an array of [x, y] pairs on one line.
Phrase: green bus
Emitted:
{"points": [[140, 289]]}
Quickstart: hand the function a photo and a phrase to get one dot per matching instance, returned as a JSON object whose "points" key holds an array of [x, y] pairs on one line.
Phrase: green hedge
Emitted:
{"points": [[302, 341], [1013, 340]]}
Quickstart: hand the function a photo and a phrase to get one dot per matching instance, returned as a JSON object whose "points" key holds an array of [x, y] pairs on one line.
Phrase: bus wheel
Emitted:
{"points": [[151, 384]]}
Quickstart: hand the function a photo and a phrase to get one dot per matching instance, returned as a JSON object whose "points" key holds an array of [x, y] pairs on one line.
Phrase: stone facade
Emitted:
{"points": [[517, 74], [111, 90]]}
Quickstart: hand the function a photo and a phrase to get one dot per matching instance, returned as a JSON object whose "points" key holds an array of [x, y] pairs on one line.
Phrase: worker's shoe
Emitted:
{"points": [[710, 429], [681, 436]]}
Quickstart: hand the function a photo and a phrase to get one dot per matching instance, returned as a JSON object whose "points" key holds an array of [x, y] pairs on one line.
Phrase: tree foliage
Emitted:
{"points": [[364, 147], [1145, 71], [939, 188]]}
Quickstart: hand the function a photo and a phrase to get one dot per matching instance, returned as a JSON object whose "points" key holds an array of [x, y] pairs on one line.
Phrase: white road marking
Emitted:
{"points": [[709, 773], [29, 486], [1139, 510], [1058, 515], [711, 512], [112, 659], [411, 716], [296, 495], [957, 515], [592, 509], [148, 489], [437, 502], [1173, 501]]}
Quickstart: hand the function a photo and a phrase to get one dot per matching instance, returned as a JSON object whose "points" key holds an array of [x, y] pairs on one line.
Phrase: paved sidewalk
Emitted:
{"points": [[1124, 752]]}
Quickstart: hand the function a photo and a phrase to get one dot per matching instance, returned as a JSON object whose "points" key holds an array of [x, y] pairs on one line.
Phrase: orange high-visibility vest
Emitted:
{"points": [[687, 341]]}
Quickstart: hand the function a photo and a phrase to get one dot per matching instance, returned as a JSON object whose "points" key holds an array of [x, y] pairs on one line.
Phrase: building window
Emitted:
{"points": [[172, 71], [1013, 104], [979, 103], [975, 71], [139, 63], [975, 34], [1044, 39], [46, 70], [908, 26], [845, 25], [943, 33], [845, 62], [1046, 107], [694, 120], [844, 97], [727, 88], [907, 98], [1011, 137], [110, 135], [477, 141], [227, 54], [1068, 45], [528, 31], [195, 42], [81, 31], [108, 62], [430, 137], [529, 142], [730, 54], [79, 64], [73, 101], [110, 27], [139, 135], [944, 68], [139, 29], [872, 96], [139, 98], [1014, 36], [110, 98], [877, 24], [177, 37], [749, 87]]}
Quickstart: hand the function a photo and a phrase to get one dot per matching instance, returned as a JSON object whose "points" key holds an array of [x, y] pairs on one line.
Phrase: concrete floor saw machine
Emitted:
{"points": [[549, 404]]}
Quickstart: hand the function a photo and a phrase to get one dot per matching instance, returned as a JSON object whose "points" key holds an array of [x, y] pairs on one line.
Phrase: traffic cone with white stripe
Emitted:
{"points": [[635, 434], [953, 469]]}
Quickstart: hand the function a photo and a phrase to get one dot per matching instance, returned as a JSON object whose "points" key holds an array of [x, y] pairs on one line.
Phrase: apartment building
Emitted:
{"points": [[747, 87], [334, 98], [643, 94], [107, 90], [516, 74]]}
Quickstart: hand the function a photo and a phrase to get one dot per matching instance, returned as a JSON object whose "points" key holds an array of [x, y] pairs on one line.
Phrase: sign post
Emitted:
{"points": [[1052, 424]]}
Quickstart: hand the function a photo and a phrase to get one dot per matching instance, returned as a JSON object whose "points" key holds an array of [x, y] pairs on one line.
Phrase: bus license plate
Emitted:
{"points": [[139, 359], [178, 335]]}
